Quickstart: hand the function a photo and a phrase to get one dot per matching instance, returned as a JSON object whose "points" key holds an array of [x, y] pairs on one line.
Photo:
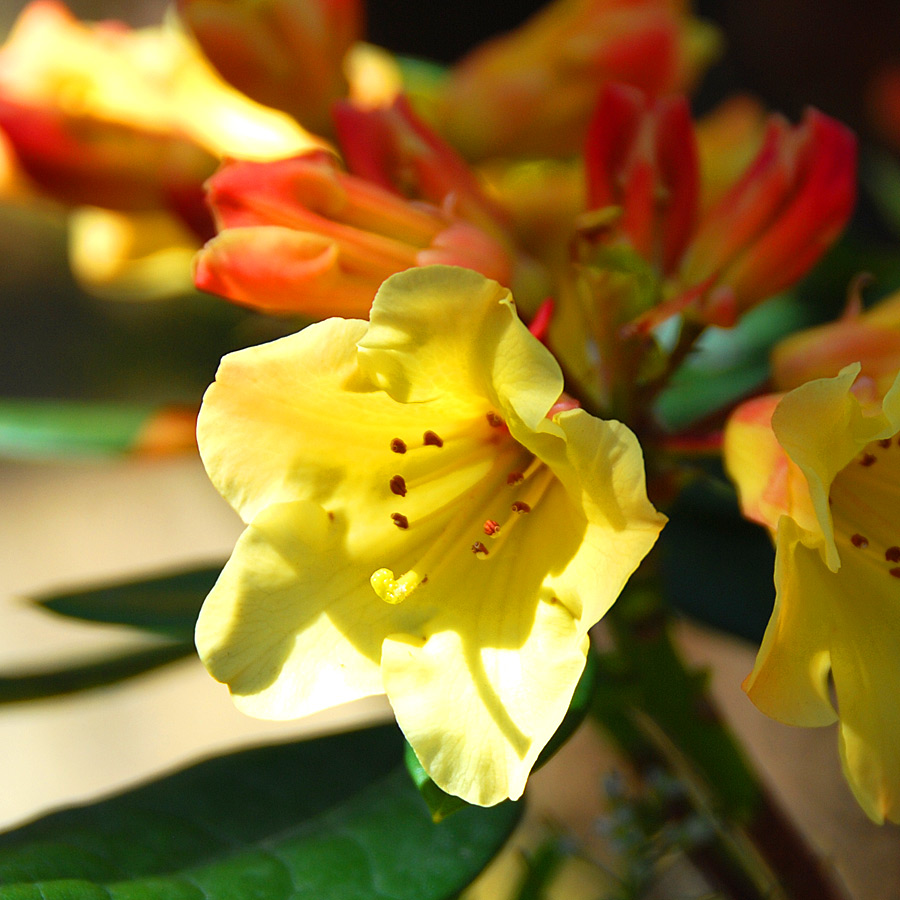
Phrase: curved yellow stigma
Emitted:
{"points": [[395, 590]]}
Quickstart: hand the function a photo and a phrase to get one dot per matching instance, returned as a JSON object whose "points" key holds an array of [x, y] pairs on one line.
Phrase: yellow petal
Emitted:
{"points": [[289, 626], [822, 427], [478, 716], [446, 331], [847, 621]]}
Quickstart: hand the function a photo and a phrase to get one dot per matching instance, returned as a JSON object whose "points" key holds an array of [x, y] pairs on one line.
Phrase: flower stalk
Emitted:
{"points": [[659, 712]]}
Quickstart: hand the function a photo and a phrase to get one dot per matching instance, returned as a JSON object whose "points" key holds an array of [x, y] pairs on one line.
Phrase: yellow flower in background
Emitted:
{"points": [[421, 522], [822, 471]]}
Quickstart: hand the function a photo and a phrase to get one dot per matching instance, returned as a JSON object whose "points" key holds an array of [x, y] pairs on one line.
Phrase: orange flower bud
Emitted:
{"points": [[641, 157], [126, 121], [286, 54], [871, 338], [775, 222], [532, 91], [391, 146], [301, 236]]}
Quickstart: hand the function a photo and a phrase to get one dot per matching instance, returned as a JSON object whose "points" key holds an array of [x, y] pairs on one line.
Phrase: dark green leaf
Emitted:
{"points": [[166, 604], [331, 819], [96, 673]]}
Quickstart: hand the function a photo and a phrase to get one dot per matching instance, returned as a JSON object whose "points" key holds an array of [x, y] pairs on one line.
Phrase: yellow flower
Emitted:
{"points": [[822, 472], [418, 526]]}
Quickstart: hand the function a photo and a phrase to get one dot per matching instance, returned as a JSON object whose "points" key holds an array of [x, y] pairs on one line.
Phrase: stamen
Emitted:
{"points": [[491, 528], [868, 459], [398, 485], [482, 552], [859, 541], [515, 478], [400, 520], [520, 507], [892, 554], [885, 443], [430, 439], [398, 445], [494, 420], [895, 572]]}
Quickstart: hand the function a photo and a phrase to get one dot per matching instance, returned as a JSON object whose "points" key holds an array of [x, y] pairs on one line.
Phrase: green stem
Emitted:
{"points": [[659, 712]]}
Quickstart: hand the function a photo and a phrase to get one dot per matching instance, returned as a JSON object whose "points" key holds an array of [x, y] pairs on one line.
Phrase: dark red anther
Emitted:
{"points": [[398, 485]]}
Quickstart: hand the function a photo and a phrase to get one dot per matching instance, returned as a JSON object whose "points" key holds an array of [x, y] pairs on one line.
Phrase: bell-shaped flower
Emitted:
{"points": [[871, 338], [821, 470], [422, 523], [302, 236], [531, 92], [286, 54]]}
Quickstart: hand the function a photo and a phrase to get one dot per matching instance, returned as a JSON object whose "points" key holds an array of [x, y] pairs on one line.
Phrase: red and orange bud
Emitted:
{"points": [[83, 161], [301, 236], [728, 139], [641, 157], [531, 92], [287, 54], [391, 146], [126, 123], [62, 123], [777, 220], [871, 338]]}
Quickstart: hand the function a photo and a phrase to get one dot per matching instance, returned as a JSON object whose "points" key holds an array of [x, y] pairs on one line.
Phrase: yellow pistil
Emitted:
{"points": [[395, 590]]}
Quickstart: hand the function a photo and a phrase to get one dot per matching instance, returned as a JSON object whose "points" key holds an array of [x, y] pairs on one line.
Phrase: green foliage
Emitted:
{"points": [[42, 429], [165, 604], [728, 364], [55, 682], [330, 819]]}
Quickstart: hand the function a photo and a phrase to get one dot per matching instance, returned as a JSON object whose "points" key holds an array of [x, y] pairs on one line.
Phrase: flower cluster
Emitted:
{"points": [[433, 509]]}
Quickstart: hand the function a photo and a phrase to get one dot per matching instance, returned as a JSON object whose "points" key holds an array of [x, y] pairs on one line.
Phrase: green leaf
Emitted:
{"points": [[442, 804], [331, 819], [96, 673], [728, 364], [165, 604], [42, 429]]}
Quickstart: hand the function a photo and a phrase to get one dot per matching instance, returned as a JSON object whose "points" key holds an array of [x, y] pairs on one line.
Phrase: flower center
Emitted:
{"points": [[480, 517], [865, 498]]}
